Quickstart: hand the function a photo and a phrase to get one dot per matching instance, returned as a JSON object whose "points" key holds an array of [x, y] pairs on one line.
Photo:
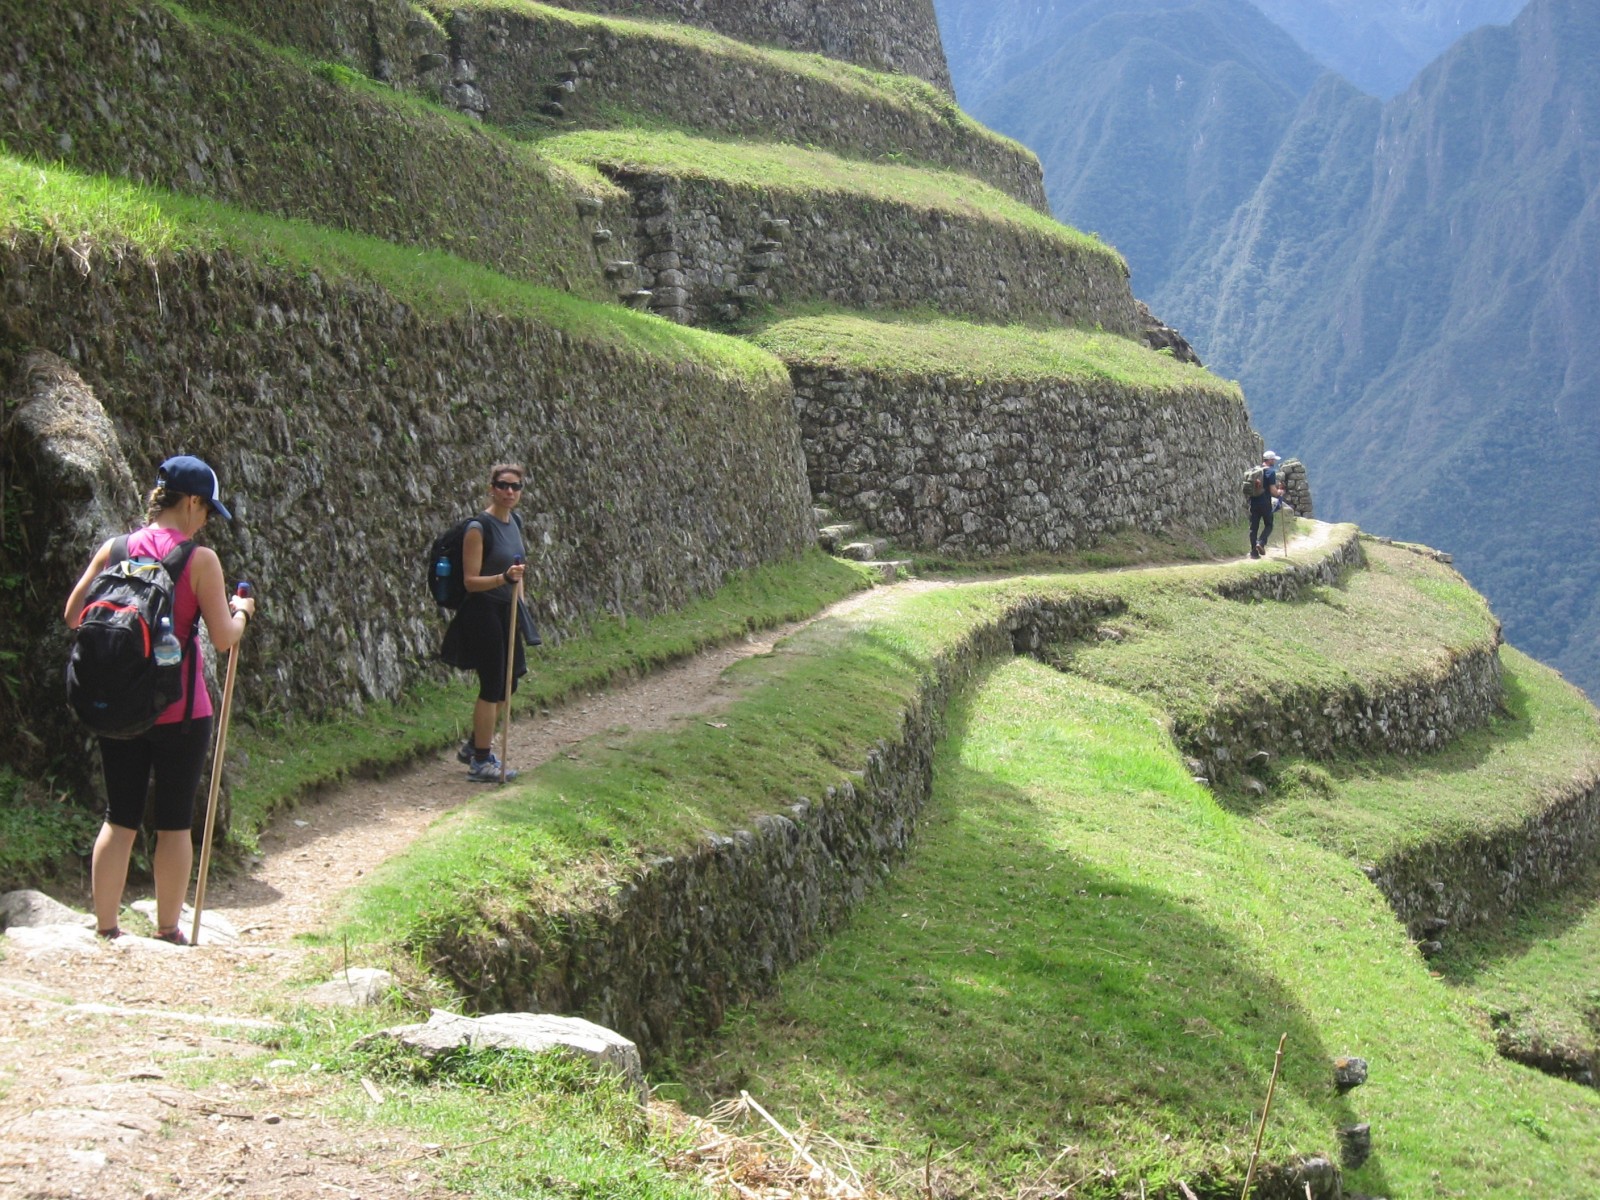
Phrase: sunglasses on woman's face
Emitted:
{"points": [[510, 485]]}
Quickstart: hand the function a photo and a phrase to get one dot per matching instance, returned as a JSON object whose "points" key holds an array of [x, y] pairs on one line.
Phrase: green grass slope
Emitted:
{"points": [[782, 169], [924, 345], [1082, 974], [1081, 979]]}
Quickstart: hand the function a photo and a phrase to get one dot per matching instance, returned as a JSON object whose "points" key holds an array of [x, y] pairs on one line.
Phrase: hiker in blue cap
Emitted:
{"points": [[173, 749]]}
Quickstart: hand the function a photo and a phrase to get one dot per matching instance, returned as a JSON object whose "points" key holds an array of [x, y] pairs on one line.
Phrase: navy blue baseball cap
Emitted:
{"points": [[193, 477]]}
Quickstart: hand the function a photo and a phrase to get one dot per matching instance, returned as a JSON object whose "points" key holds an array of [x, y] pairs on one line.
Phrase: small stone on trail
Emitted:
{"points": [[356, 987]]}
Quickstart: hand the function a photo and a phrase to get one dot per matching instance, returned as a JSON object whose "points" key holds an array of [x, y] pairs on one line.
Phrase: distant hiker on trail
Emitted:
{"points": [[173, 748], [492, 559], [1265, 493]]}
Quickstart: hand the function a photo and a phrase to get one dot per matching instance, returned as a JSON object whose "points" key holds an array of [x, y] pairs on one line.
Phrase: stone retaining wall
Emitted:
{"points": [[136, 92], [348, 430], [707, 252], [886, 35], [974, 468], [662, 957], [1482, 877], [523, 65], [1408, 716]]}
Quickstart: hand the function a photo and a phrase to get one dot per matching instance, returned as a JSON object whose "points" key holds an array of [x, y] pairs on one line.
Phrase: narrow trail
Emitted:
{"points": [[89, 1031]]}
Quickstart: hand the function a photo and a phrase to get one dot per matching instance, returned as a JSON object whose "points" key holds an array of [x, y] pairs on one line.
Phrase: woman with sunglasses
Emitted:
{"points": [[173, 751], [492, 556]]}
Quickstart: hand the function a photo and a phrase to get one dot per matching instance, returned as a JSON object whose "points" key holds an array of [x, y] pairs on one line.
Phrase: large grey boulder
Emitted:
{"points": [[534, 1033], [30, 908]]}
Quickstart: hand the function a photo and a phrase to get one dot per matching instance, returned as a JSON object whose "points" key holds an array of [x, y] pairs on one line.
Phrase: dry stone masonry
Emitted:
{"points": [[709, 251], [886, 35], [969, 467], [365, 426], [522, 66]]}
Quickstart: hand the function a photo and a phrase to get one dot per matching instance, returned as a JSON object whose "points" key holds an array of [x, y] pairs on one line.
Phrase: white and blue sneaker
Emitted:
{"points": [[488, 771]]}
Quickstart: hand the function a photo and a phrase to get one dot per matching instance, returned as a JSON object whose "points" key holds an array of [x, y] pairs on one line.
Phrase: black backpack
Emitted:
{"points": [[114, 683], [448, 587]]}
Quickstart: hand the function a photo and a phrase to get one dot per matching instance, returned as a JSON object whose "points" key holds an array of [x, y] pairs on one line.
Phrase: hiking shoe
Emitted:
{"points": [[1255, 551], [109, 935], [464, 753], [488, 771], [173, 936]]}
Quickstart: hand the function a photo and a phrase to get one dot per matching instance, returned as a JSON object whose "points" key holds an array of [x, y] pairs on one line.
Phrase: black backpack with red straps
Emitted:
{"points": [[114, 682]]}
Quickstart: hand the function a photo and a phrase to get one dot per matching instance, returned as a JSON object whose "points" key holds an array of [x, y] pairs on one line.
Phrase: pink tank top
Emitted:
{"points": [[154, 542]]}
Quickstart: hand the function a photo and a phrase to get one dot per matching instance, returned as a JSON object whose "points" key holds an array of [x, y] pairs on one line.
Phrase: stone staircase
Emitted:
{"points": [[844, 539]]}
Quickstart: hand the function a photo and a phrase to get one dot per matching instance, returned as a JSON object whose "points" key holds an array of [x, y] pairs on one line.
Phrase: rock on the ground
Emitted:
{"points": [[28, 907], [354, 987], [34, 941], [535, 1033]]}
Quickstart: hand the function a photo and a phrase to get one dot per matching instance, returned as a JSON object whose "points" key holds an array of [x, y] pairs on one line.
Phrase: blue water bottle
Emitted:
{"points": [[168, 652], [441, 579]]}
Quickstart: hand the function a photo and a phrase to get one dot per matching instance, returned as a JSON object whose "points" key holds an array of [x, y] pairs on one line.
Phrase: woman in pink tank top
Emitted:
{"points": [[173, 752]]}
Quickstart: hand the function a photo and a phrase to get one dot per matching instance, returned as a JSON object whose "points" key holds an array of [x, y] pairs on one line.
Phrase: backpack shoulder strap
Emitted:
{"points": [[119, 550]]}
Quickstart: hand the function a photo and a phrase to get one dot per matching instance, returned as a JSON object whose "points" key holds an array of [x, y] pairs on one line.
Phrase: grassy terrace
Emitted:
{"points": [[856, 83], [1546, 739], [1081, 979], [1086, 949], [1402, 616], [933, 345], [791, 169], [99, 216]]}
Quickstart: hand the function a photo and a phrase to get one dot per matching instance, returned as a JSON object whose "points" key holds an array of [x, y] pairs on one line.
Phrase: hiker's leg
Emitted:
{"points": [[485, 714], [172, 862], [179, 759], [125, 765], [1255, 525], [1266, 527], [108, 872]]}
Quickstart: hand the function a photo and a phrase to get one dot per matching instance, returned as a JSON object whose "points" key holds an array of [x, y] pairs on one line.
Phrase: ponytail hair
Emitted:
{"points": [[162, 498]]}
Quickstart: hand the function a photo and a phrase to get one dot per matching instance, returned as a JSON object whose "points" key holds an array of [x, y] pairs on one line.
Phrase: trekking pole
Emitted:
{"points": [[216, 781], [1266, 1108], [512, 629]]}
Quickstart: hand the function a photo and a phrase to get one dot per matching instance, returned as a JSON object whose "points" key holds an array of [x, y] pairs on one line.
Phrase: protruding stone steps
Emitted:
{"points": [[836, 539], [726, 230]]}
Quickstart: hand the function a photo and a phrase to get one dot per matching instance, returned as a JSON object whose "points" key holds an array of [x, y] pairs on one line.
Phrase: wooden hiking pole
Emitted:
{"points": [[1255, 1154], [216, 778], [512, 630]]}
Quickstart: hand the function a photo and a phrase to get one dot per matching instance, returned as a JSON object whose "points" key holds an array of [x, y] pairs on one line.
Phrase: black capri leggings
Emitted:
{"points": [[177, 758]]}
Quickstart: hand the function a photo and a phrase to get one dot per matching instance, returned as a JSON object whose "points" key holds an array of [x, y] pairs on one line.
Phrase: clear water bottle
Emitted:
{"points": [[441, 579], [168, 652]]}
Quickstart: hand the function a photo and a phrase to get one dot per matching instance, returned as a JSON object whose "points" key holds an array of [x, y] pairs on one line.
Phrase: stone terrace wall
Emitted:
{"points": [[1470, 880], [706, 251], [973, 468], [348, 430], [521, 66], [1408, 716], [886, 35], [135, 92], [664, 955]]}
